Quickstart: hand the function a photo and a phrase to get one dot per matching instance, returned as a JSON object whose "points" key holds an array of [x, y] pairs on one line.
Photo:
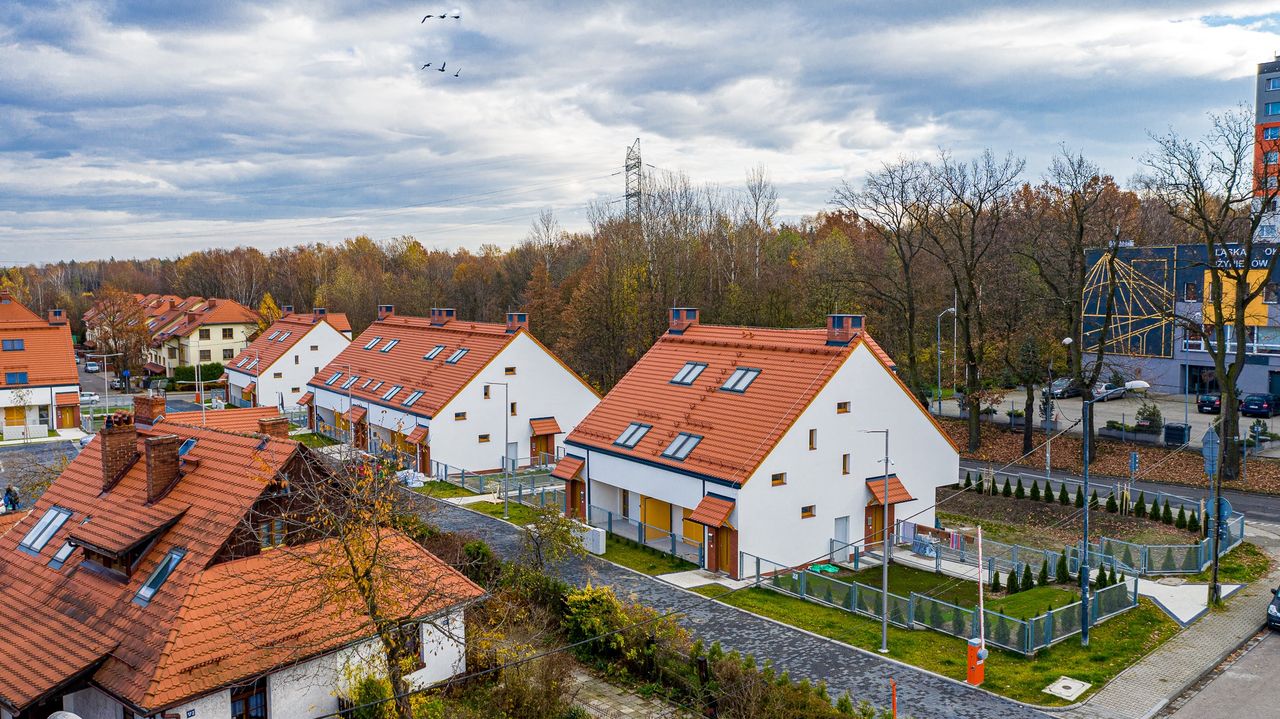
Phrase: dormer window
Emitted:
{"points": [[632, 435], [158, 576], [688, 373], [44, 530], [681, 446], [390, 343], [434, 351], [456, 356], [373, 342], [741, 378]]}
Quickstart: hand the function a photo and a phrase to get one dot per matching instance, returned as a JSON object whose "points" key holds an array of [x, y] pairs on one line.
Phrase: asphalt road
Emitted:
{"points": [[1246, 688]]}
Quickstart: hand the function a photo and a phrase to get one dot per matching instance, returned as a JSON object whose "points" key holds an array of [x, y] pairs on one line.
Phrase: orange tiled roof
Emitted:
{"points": [[355, 414], [567, 467], [711, 511], [223, 312], [544, 425], [211, 647], [404, 365], [9, 519], [897, 492], [306, 398], [418, 435], [47, 355], [738, 429], [232, 419], [66, 399], [69, 618], [278, 339]]}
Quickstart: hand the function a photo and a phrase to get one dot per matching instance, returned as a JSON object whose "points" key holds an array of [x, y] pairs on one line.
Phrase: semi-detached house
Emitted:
{"points": [[274, 369], [39, 386], [755, 442], [438, 391]]}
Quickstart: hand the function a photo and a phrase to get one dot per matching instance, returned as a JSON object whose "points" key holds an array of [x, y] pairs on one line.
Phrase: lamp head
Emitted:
{"points": [[1066, 341], [1137, 384]]}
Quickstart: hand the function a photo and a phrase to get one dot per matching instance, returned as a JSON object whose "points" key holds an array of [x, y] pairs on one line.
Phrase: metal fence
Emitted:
{"points": [[470, 481], [659, 538], [1025, 636]]}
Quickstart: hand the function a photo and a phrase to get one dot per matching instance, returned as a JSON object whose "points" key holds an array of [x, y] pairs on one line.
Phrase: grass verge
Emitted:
{"points": [[519, 514], [313, 440], [1242, 565], [643, 559], [1113, 645], [444, 490], [905, 580]]}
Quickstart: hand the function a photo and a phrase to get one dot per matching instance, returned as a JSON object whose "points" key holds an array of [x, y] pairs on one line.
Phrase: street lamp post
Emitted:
{"points": [[884, 565], [1087, 409], [506, 422], [938, 339], [1209, 445], [106, 384]]}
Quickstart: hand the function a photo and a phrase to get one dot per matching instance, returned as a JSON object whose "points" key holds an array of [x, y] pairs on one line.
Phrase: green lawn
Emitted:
{"points": [[643, 559], [1246, 563], [443, 490], [519, 514], [904, 580], [313, 440], [1114, 644]]}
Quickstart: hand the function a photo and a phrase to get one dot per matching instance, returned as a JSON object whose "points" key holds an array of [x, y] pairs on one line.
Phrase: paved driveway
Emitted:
{"points": [[864, 675], [1246, 688]]}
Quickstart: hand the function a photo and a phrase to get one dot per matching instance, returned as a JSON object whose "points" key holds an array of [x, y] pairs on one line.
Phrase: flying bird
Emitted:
{"points": [[455, 16], [424, 67], [442, 66], [459, 72], [424, 18]]}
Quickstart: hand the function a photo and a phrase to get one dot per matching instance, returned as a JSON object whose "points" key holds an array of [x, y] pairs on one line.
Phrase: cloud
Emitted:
{"points": [[148, 128]]}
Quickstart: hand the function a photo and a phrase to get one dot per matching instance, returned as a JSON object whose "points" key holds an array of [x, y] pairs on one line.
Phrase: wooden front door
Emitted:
{"points": [[424, 458], [727, 551], [360, 438], [66, 417], [542, 444], [15, 416], [874, 524], [575, 499]]}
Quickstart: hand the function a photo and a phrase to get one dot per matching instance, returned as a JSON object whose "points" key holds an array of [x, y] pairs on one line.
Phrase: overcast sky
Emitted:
{"points": [[149, 128]]}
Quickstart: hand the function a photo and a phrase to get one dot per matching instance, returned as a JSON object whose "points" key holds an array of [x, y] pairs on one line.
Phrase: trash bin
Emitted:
{"points": [[1176, 434]]}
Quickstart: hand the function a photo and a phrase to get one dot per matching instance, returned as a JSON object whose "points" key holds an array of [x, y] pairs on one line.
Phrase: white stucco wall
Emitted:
{"points": [[610, 474], [92, 703], [770, 524], [296, 367], [210, 706]]}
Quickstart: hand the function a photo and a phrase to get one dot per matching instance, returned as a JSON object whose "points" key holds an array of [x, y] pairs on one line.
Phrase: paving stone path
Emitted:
{"points": [[603, 700], [864, 675]]}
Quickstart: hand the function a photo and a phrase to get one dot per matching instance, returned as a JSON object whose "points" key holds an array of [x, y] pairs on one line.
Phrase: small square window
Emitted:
{"points": [[813, 439], [509, 370], [844, 464], [842, 408], [315, 348], [459, 416], [206, 355], [1272, 108], [1271, 157], [1190, 292], [15, 377], [14, 345], [204, 334], [779, 478], [807, 511], [228, 354], [277, 375], [295, 390], [484, 438]]}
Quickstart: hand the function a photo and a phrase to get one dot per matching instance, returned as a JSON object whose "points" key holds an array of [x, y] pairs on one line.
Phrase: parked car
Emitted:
{"points": [[117, 383], [1064, 387], [1260, 405], [92, 367], [1210, 403], [1273, 610], [1106, 391], [89, 398]]}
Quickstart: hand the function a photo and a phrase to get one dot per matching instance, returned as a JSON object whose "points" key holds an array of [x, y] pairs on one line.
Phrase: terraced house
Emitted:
{"points": [[153, 579], [274, 369], [40, 390], [756, 442], [471, 395], [185, 330]]}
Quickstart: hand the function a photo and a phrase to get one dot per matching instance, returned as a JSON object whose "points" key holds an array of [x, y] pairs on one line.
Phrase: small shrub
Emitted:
{"points": [[1043, 579], [1166, 514], [1128, 556], [1093, 500], [1013, 586], [1048, 492], [1063, 498], [978, 487], [1168, 564], [1001, 633], [1027, 581], [1140, 509], [1079, 498], [1181, 521], [1111, 579], [1193, 523], [1006, 490], [995, 582], [1035, 491], [957, 622], [968, 480], [1061, 574], [935, 615], [372, 697], [1112, 505], [1020, 492]]}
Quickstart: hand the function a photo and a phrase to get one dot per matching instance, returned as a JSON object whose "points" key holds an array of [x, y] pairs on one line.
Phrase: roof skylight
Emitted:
{"points": [[681, 446], [390, 343], [333, 379], [434, 351], [688, 373], [741, 378], [373, 342], [44, 530], [284, 336], [392, 392], [161, 573], [186, 446], [632, 435], [346, 384], [457, 355], [408, 401], [273, 335]]}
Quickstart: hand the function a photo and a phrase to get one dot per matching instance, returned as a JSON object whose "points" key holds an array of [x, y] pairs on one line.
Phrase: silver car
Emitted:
{"points": [[1106, 391]]}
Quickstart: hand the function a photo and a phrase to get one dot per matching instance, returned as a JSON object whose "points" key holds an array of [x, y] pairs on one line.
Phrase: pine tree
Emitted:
{"points": [[1020, 492], [1166, 514], [995, 582], [1061, 574], [1193, 523], [1079, 498], [1112, 579], [968, 480], [1049, 496], [1099, 578], [1112, 505], [1043, 579], [1007, 491], [1140, 509], [1001, 634], [1028, 581], [1093, 500], [1063, 498], [1013, 586], [1181, 521], [1035, 491], [978, 487]]}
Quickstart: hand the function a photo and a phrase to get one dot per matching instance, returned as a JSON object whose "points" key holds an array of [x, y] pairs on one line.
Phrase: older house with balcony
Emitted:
{"points": [[435, 391], [728, 441], [158, 577], [39, 386], [274, 369]]}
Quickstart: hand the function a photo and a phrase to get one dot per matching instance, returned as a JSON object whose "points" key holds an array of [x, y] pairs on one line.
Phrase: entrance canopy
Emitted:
{"points": [[897, 492], [712, 512], [567, 468]]}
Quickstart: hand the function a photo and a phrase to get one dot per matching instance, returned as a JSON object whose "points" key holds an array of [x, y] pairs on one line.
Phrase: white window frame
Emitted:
{"points": [[48, 525], [457, 355], [390, 343], [391, 393]]}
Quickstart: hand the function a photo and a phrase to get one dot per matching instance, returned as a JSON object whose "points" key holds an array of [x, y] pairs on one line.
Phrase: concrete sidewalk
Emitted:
{"points": [[1145, 688]]}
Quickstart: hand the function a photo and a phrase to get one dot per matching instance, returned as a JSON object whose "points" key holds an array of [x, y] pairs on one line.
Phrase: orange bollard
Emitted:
{"points": [[977, 662], [893, 686]]}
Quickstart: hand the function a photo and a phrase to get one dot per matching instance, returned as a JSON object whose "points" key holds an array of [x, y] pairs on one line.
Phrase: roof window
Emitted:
{"points": [[62, 555], [373, 342], [457, 355], [273, 335], [375, 387], [390, 343], [242, 361], [284, 336], [333, 379], [44, 530], [408, 401], [632, 435], [12, 345], [741, 378], [688, 373], [367, 383], [253, 364], [434, 351], [681, 446], [392, 392], [186, 446], [346, 384], [158, 575]]}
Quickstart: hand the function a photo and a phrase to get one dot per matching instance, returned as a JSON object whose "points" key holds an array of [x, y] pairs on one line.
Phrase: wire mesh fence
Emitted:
{"points": [[649, 535]]}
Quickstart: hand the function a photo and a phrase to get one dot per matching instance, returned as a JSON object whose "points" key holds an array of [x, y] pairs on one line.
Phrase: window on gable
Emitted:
{"points": [[346, 384], [333, 379], [632, 435], [373, 342], [271, 534], [459, 416], [456, 356], [688, 373], [486, 391], [483, 438], [434, 351], [807, 511], [13, 345], [162, 571], [681, 446], [779, 479], [44, 530], [741, 378], [413, 397], [392, 392], [842, 408], [844, 464], [813, 439], [390, 343], [509, 370], [277, 375], [61, 556]]}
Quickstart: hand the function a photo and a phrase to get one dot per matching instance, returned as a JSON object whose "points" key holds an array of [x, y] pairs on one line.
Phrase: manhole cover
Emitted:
{"points": [[1171, 581], [1067, 688]]}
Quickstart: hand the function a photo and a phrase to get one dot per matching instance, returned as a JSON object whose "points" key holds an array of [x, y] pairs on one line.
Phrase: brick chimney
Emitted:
{"points": [[173, 303], [440, 316], [162, 465], [57, 317], [277, 427], [517, 321], [213, 302], [385, 311], [841, 328], [119, 445], [681, 318], [148, 408]]}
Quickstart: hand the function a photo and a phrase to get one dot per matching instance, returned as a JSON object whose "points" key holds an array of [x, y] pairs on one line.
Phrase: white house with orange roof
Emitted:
{"points": [[274, 369], [442, 391], [753, 442], [39, 386]]}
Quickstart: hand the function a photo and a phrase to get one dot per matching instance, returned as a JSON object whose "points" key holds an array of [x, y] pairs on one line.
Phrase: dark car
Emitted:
{"points": [[1273, 612], [1209, 403], [1064, 387], [1260, 405]]}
